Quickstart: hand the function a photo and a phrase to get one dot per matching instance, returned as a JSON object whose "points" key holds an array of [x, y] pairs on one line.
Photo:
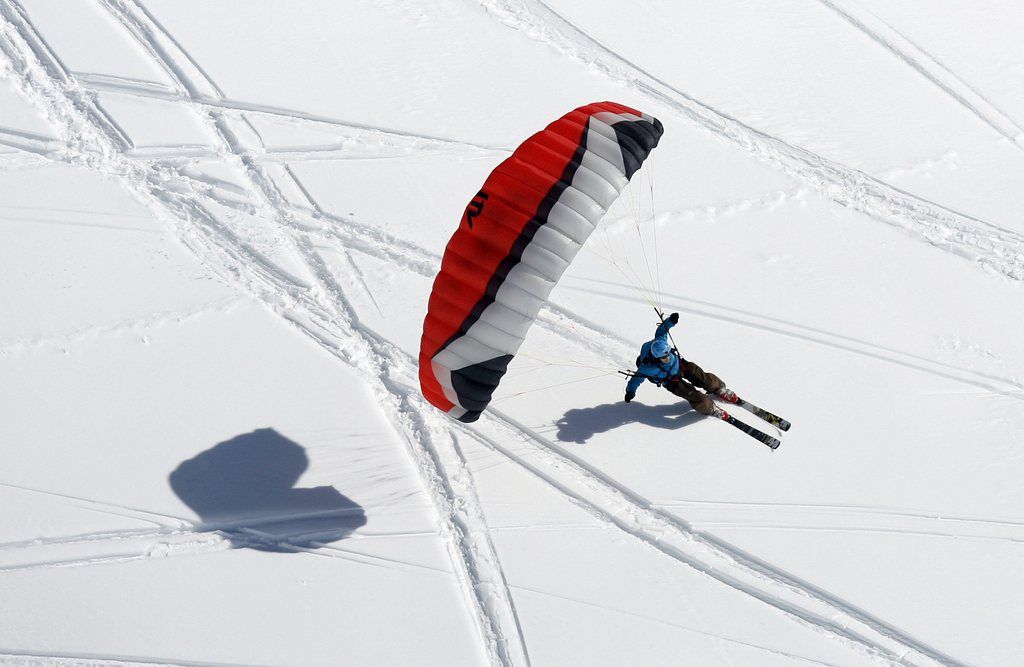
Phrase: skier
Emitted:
{"points": [[660, 363]]}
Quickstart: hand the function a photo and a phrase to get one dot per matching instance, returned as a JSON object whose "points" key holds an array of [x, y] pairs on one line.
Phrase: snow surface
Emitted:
{"points": [[219, 225]]}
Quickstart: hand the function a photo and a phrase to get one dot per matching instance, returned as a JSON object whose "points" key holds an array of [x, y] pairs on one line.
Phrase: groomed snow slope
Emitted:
{"points": [[219, 225]]}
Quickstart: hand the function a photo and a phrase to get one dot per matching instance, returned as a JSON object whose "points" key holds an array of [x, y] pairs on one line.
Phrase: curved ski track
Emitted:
{"points": [[927, 66], [122, 546], [85, 129], [566, 324], [139, 326], [444, 473], [991, 245], [323, 312], [619, 506], [402, 143], [13, 657]]}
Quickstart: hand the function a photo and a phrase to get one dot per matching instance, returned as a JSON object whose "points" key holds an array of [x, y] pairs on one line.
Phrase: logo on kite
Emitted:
{"points": [[476, 207]]}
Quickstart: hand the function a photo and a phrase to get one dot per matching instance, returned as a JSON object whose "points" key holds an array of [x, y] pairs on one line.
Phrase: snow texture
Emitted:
{"points": [[219, 225]]}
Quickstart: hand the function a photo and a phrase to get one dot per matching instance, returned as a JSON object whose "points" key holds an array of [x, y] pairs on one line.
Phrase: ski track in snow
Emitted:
{"points": [[1003, 386], [659, 621], [353, 235], [26, 141], [617, 505], [929, 67], [853, 519], [323, 312], [410, 364], [140, 326], [332, 324], [993, 246], [161, 520], [130, 546], [261, 261], [401, 143], [175, 537], [452, 492], [16, 658], [823, 621], [566, 324]]}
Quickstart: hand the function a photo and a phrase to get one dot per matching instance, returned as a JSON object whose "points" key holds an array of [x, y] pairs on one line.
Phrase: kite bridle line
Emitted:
{"points": [[551, 386], [651, 294], [636, 206]]}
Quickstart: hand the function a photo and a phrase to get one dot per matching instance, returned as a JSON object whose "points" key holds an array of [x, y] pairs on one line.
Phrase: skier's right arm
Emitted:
{"points": [[633, 384]]}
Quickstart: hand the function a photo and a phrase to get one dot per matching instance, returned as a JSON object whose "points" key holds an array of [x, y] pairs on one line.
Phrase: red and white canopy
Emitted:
{"points": [[516, 238]]}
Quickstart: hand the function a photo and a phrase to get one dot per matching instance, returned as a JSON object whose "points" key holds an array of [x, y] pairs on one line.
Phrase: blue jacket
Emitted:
{"points": [[649, 368]]}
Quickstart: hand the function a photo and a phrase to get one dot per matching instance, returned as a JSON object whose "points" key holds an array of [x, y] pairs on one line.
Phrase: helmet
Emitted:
{"points": [[660, 348]]}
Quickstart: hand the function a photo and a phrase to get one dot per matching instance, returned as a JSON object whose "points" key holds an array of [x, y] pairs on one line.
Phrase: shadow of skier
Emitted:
{"points": [[580, 424], [243, 487]]}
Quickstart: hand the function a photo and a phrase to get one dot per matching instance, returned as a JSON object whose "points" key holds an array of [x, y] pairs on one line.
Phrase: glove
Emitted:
{"points": [[674, 318], [630, 395]]}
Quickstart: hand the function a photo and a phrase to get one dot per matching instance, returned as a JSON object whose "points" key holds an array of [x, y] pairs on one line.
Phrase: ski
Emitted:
{"points": [[760, 436], [773, 419]]}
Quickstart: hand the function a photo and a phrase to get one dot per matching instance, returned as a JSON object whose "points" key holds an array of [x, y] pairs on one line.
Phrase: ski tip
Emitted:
{"points": [[784, 425]]}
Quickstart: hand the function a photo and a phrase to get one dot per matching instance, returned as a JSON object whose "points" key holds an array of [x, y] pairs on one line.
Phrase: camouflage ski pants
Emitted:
{"points": [[693, 379]]}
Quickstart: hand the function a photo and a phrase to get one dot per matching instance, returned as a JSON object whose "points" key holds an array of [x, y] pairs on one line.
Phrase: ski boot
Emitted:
{"points": [[727, 395]]}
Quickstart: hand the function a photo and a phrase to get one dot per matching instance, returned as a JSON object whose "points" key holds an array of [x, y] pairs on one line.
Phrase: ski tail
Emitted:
{"points": [[773, 419]]}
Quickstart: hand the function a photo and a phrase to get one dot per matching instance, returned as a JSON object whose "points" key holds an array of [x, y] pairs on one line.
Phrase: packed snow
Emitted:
{"points": [[219, 226]]}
